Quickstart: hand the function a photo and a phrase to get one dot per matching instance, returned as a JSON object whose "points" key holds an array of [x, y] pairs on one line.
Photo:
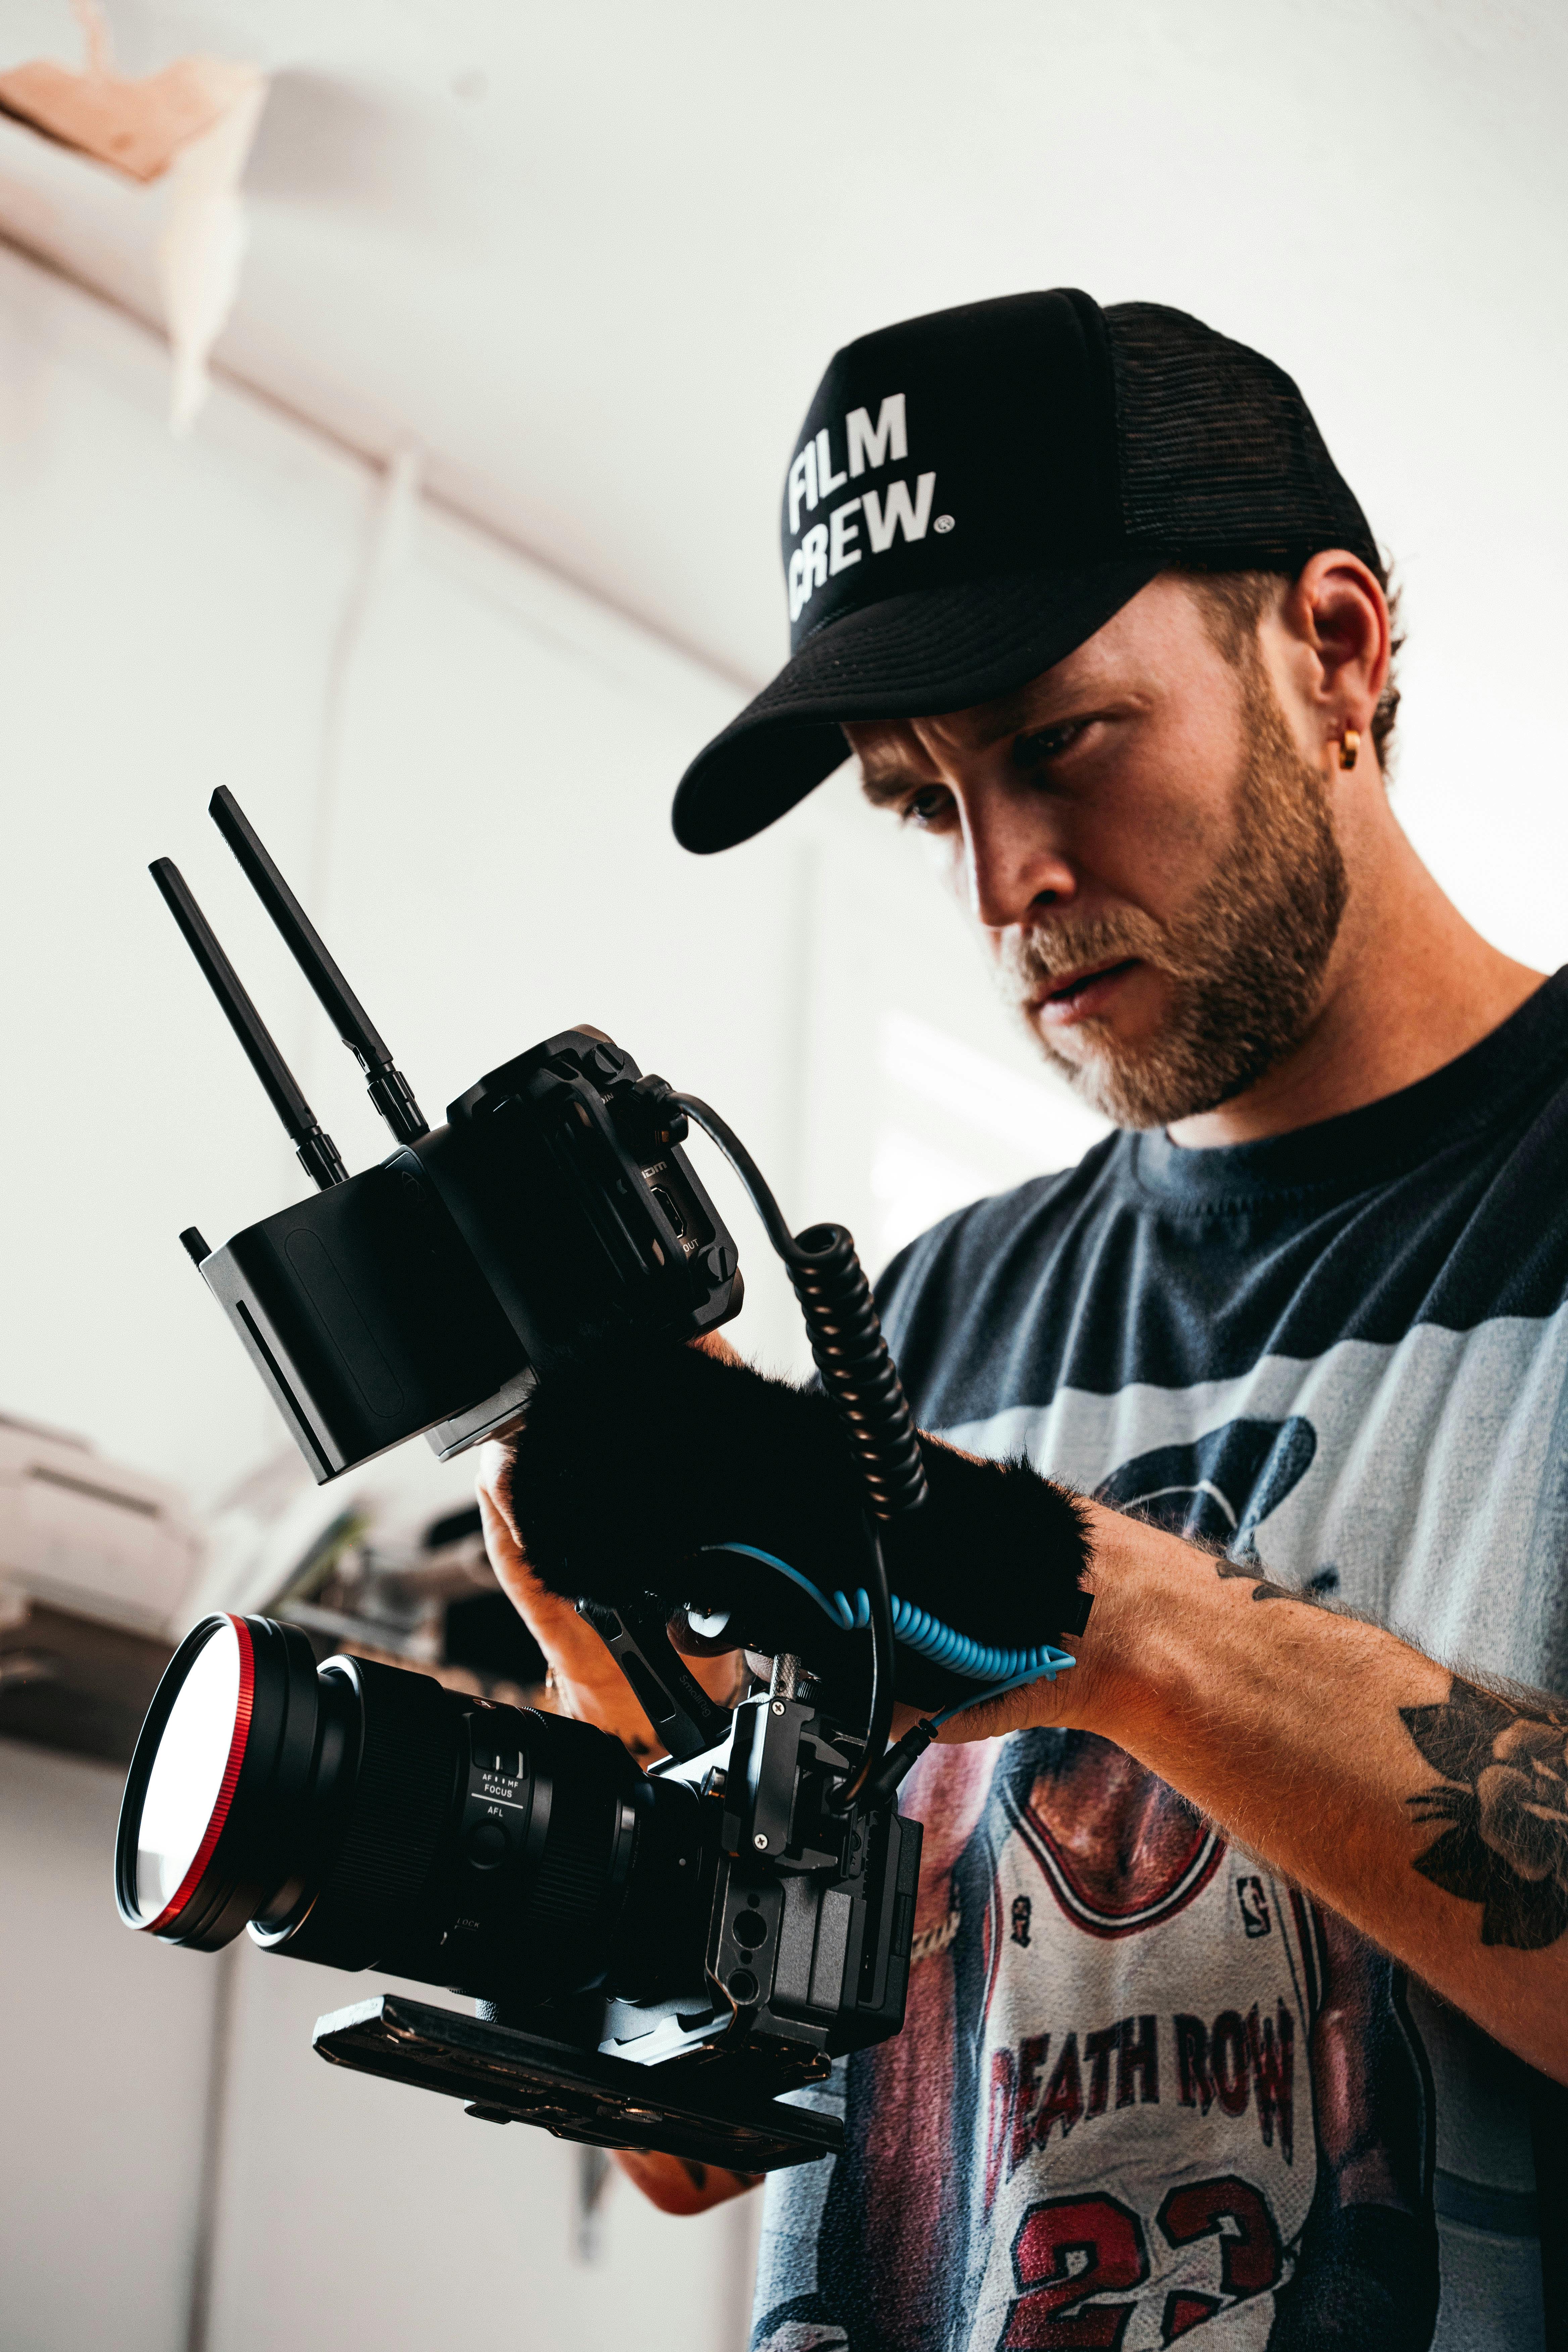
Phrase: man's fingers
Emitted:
{"points": [[500, 1542], [714, 1344], [588, 1682], [506, 1554], [677, 2185], [494, 1483], [554, 1622]]}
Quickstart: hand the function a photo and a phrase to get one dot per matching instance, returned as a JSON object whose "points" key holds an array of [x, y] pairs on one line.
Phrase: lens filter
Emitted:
{"points": [[195, 1772], [213, 1799]]}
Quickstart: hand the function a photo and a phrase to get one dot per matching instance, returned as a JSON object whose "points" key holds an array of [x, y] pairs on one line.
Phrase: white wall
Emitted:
{"points": [[594, 259], [474, 765]]}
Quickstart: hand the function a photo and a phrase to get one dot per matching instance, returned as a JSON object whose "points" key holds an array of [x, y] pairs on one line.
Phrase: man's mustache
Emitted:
{"points": [[1042, 955]]}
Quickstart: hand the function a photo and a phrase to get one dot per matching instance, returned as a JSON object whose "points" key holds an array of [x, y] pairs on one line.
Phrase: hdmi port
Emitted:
{"points": [[667, 1203]]}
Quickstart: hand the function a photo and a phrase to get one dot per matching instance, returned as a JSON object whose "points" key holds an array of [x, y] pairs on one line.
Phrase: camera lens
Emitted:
{"points": [[362, 1815]]}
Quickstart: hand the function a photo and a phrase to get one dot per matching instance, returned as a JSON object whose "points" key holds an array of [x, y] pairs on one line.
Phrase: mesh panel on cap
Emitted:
{"points": [[1221, 461]]}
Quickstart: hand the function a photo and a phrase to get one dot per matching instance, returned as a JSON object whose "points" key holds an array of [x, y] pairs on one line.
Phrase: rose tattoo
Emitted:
{"points": [[1504, 1797]]}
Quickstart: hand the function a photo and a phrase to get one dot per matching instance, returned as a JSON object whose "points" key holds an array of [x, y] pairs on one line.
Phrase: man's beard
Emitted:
{"points": [[1245, 963]]}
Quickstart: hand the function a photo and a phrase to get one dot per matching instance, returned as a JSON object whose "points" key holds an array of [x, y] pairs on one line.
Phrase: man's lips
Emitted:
{"points": [[1080, 994]]}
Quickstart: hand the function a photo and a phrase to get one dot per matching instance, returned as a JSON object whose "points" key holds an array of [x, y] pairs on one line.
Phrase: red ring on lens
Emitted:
{"points": [[227, 1786]]}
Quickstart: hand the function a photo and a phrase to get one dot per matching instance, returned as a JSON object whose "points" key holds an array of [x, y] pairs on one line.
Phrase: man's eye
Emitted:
{"points": [[928, 808], [1038, 749]]}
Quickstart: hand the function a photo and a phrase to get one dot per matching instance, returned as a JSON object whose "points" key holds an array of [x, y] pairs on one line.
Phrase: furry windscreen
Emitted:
{"points": [[628, 1468]]}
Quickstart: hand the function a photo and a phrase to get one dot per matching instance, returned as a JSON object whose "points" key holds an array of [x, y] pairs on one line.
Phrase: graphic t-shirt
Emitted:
{"points": [[1145, 2089]]}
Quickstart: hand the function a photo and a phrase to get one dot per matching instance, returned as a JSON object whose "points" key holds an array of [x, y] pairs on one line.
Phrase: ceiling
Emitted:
{"points": [[591, 261]]}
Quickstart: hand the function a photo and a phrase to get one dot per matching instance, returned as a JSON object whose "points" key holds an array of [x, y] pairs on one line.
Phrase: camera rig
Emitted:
{"points": [[660, 1959]]}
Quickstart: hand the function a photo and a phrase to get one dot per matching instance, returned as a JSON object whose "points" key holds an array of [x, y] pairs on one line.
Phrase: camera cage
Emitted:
{"points": [[400, 1302]]}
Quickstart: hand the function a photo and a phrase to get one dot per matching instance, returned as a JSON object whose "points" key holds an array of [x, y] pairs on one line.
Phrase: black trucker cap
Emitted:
{"points": [[974, 493]]}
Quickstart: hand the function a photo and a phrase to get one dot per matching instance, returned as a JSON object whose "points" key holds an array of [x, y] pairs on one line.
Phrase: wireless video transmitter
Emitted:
{"points": [[428, 1296]]}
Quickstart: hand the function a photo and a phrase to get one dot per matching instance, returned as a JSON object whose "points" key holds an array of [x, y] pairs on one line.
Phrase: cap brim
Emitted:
{"points": [[907, 658]]}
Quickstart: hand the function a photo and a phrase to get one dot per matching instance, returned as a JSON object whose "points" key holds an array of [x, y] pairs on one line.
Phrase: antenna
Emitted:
{"points": [[389, 1089], [318, 1155]]}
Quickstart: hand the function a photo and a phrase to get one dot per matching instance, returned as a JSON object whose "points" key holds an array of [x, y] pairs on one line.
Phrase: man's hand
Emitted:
{"points": [[590, 1685], [588, 1682], [676, 2185], [1429, 1813]]}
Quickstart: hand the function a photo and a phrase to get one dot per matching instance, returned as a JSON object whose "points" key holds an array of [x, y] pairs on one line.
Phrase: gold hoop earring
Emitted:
{"points": [[1350, 747]]}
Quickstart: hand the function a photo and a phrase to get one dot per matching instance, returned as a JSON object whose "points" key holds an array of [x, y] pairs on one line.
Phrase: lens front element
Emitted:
{"points": [[210, 1820], [195, 1772]]}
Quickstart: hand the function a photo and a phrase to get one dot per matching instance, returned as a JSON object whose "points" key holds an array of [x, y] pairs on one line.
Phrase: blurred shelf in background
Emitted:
{"points": [[77, 1684]]}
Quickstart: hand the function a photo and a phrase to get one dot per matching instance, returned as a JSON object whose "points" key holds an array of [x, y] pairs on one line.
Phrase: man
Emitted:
{"points": [[1241, 1996]]}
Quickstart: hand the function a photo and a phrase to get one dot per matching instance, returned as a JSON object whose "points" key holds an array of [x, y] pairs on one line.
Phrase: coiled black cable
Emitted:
{"points": [[856, 1370], [859, 1375]]}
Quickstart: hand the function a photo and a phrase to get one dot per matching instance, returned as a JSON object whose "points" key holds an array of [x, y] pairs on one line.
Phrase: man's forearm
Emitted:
{"points": [[1431, 1814]]}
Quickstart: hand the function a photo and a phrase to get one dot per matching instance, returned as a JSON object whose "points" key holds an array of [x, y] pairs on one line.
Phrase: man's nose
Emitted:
{"points": [[1013, 867]]}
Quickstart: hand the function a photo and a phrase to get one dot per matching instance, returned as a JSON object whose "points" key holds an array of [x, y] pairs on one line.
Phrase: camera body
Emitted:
{"points": [[762, 1937], [710, 1907], [427, 1294]]}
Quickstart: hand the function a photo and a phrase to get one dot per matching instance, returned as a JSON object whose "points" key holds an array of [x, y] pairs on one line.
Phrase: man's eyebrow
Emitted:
{"points": [[886, 786], [1033, 707]]}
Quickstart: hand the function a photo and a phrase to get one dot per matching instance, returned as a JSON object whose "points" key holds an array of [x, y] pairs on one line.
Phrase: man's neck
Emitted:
{"points": [[1410, 987]]}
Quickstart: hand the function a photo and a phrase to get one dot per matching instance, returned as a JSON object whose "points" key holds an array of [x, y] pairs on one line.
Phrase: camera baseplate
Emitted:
{"points": [[507, 2075]]}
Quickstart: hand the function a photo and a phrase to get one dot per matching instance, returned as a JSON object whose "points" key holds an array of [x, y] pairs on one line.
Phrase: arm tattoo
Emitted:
{"points": [[1503, 1795], [1263, 1586]]}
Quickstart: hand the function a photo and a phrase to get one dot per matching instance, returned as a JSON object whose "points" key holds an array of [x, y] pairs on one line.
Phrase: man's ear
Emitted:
{"points": [[1338, 613]]}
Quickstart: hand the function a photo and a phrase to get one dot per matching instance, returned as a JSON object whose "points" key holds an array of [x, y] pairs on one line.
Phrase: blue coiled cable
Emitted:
{"points": [[977, 1662]]}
